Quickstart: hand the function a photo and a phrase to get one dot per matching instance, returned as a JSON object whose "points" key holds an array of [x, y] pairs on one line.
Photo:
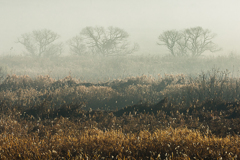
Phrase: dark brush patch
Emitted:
{"points": [[142, 108]]}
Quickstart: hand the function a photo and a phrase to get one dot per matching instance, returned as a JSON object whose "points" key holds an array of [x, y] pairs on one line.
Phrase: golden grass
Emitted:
{"points": [[61, 139], [45, 119]]}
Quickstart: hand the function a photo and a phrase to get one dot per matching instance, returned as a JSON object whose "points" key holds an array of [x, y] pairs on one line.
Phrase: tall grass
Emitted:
{"points": [[50, 117]]}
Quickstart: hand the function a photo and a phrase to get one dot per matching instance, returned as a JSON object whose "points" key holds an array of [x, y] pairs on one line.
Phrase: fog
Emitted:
{"points": [[143, 20]]}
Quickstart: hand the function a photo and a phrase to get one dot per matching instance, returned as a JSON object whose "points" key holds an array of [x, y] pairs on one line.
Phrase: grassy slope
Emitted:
{"points": [[102, 134]]}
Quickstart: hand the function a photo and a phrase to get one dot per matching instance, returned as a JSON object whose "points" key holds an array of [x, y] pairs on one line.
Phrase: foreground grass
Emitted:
{"points": [[62, 140], [45, 119]]}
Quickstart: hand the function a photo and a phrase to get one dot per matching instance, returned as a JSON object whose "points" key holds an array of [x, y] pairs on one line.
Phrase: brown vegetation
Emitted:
{"points": [[178, 118]]}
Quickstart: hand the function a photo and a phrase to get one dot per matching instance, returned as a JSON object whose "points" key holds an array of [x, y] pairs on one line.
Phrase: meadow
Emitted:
{"points": [[135, 107], [96, 68]]}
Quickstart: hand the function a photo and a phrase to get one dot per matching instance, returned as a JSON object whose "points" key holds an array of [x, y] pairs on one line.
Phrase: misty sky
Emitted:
{"points": [[144, 20]]}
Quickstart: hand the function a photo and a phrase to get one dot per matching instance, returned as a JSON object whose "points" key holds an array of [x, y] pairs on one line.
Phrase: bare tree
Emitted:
{"points": [[193, 41], [182, 43], [77, 45], [110, 41], [40, 43], [170, 39], [200, 40]]}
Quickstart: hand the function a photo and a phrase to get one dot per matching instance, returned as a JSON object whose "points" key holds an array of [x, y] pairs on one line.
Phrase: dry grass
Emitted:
{"points": [[44, 118], [168, 117], [62, 138]]}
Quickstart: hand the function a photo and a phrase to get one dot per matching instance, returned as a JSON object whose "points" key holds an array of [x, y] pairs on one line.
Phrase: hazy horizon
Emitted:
{"points": [[143, 20]]}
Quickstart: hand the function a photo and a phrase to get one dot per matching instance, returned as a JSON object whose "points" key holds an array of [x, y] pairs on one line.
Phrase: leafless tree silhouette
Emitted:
{"points": [[40, 43]]}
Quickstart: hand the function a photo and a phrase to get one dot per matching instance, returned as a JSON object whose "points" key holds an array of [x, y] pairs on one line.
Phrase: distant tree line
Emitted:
{"points": [[113, 41]]}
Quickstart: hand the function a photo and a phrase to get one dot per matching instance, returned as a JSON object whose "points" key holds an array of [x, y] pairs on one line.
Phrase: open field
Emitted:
{"points": [[188, 114], [101, 69]]}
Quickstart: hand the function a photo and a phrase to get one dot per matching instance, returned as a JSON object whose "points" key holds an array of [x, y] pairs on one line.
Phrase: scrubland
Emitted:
{"points": [[76, 108]]}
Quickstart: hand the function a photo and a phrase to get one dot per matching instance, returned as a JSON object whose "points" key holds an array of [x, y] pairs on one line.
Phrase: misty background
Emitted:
{"points": [[143, 20]]}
